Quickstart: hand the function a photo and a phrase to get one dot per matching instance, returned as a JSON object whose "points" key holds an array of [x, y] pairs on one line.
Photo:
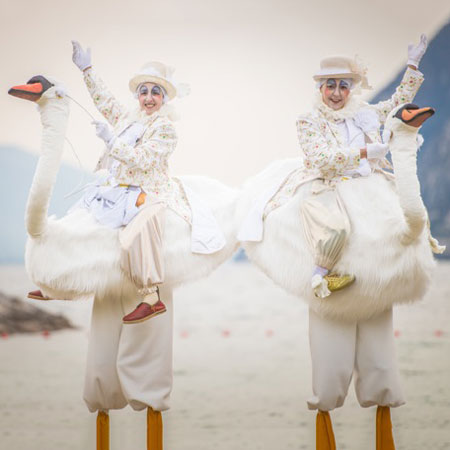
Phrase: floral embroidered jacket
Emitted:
{"points": [[146, 163], [323, 148], [321, 143]]}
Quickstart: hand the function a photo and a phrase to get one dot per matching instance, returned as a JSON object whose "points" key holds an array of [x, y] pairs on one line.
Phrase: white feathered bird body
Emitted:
{"points": [[75, 256], [388, 249]]}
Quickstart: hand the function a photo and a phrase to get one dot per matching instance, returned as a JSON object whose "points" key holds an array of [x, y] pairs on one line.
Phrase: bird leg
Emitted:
{"points": [[102, 430], [154, 430], [385, 439], [324, 432]]}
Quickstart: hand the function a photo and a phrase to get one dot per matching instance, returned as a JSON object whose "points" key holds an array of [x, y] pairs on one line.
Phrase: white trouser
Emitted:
{"points": [[365, 348], [142, 248], [129, 364]]}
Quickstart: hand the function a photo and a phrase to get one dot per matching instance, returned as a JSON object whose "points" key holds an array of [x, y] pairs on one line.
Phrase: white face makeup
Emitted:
{"points": [[335, 92], [150, 97]]}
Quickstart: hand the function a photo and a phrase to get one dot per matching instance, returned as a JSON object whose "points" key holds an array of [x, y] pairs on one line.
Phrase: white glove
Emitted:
{"points": [[377, 150], [415, 52], [103, 131], [81, 58], [132, 133], [364, 168]]}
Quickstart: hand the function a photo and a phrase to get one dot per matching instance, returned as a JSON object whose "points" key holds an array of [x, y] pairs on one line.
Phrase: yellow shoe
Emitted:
{"points": [[337, 282]]}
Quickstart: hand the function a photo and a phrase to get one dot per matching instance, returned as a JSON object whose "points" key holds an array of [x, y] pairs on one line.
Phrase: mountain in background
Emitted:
{"points": [[434, 155], [17, 170]]}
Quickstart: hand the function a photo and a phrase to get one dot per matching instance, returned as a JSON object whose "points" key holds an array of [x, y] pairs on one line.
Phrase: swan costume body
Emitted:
{"points": [[75, 256], [388, 249], [330, 142]]}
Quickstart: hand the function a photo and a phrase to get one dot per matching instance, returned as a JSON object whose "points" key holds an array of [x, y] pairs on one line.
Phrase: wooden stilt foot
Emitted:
{"points": [[324, 432], [102, 431], [154, 430], [385, 438]]}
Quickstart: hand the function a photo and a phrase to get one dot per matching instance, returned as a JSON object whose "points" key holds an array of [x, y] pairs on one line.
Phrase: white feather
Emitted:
{"points": [[388, 249], [74, 256]]}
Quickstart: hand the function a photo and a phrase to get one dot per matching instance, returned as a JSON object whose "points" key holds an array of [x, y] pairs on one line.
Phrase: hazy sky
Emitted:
{"points": [[249, 64]]}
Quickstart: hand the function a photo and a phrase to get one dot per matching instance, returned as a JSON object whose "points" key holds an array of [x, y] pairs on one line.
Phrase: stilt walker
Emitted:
{"points": [[336, 229], [129, 362]]}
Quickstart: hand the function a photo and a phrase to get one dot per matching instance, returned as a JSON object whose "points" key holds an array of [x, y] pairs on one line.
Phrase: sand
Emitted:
{"points": [[242, 374]]}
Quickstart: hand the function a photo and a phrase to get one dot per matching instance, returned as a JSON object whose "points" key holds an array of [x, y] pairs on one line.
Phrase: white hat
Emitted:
{"points": [[343, 67], [157, 73]]}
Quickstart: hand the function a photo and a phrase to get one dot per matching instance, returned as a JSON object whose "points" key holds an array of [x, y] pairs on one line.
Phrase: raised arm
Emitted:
{"points": [[411, 81], [103, 99]]}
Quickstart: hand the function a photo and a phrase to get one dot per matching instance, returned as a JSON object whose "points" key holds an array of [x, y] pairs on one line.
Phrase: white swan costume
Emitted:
{"points": [[75, 256], [388, 250]]}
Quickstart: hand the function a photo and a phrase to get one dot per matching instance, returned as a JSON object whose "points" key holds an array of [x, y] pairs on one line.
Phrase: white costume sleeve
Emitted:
{"points": [[103, 99], [405, 93]]}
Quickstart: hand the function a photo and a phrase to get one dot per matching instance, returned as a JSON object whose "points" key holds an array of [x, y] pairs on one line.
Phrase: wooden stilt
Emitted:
{"points": [[102, 431], [324, 432], [154, 430], [385, 438]]}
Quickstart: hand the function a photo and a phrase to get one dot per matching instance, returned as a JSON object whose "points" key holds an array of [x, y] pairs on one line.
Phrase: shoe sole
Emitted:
{"points": [[130, 322]]}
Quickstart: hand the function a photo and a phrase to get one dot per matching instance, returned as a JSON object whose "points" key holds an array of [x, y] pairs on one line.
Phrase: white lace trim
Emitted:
{"points": [[353, 105]]}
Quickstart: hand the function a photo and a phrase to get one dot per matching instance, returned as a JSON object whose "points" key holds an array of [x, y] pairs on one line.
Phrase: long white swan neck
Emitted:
{"points": [[54, 117], [404, 158]]}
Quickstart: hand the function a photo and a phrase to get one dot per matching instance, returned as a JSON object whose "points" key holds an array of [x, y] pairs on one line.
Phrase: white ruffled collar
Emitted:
{"points": [[353, 105], [141, 116]]}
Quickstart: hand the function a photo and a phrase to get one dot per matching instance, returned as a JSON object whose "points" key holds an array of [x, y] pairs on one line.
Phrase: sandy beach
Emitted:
{"points": [[241, 374]]}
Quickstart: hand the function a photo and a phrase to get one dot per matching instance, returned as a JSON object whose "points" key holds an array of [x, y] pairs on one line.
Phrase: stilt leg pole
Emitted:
{"points": [[324, 432], [385, 439], [102, 431], [154, 430]]}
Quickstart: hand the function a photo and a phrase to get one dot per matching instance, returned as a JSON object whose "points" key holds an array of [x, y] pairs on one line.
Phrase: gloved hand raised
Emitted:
{"points": [[415, 52], [81, 58], [377, 150], [103, 131]]}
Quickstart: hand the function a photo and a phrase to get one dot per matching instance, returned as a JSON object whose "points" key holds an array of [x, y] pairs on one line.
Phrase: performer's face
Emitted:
{"points": [[150, 97], [335, 93]]}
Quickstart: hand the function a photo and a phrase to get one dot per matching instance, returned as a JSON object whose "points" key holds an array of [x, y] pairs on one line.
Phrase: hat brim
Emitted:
{"points": [[139, 79], [334, 74]]}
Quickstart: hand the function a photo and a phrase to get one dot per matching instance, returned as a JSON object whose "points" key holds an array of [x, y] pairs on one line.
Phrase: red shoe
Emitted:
{"points": [[144, 311], [37, 295]]}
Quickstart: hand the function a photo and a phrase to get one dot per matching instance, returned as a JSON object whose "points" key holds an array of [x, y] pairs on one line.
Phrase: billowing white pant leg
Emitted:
{"points": [[102, 389], [144, 361], [332, 345], [377, 380]]}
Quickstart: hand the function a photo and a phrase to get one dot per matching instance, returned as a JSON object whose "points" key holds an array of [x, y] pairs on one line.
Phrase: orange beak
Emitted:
{"points": [[31, 91], [416, 117]]}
